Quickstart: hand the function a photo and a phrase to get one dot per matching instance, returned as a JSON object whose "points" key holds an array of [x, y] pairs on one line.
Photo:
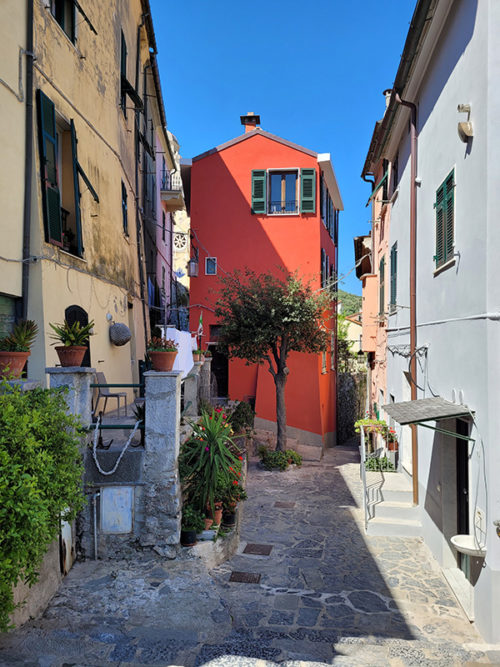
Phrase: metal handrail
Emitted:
{"points": [[95, 385], [283, 207], [362, 470]]}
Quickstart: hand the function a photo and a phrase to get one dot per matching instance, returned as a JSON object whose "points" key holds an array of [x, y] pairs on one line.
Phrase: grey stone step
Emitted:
{"points": [[396, 510], [385, 527]]}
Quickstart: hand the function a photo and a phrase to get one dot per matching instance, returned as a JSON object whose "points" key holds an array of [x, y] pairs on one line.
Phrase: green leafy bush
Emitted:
{"points": [[271, 459], [40, 482], [192, 519], [242, 417], [376, 463]]}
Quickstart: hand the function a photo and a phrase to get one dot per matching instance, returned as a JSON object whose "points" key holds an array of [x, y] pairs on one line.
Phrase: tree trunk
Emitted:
{"points": [[280, 382]]}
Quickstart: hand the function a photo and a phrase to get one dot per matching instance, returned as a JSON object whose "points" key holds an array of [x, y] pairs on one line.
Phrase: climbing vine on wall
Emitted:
{"points": [[40, 482]]}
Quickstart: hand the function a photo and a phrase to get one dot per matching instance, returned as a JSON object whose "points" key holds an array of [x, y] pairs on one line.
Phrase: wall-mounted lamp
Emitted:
{"points": [[192, 267], [465, 130], [193, 264]]}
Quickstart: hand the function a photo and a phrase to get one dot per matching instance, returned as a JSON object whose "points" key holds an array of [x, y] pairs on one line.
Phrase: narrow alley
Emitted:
{"points": [[327, 594]]}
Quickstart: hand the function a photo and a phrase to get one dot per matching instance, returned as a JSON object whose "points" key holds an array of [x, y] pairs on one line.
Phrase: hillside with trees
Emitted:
{"points": [[351, 303]]}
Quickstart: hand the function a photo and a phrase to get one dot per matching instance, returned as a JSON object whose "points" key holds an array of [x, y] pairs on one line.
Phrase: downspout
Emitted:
{"points": [[413, 283], [28, 159], [367, 180], [138, 227]]}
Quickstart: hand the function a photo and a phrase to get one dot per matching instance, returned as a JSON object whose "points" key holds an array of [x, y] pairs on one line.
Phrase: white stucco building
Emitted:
{"points": [[450, 71]]}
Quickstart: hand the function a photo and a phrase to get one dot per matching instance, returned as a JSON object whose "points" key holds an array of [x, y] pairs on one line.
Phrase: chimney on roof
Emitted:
{"points": [[250, 121]]}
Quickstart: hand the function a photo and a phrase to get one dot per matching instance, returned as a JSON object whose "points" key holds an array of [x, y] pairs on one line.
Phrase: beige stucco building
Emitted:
{"points": [[89, 129]]}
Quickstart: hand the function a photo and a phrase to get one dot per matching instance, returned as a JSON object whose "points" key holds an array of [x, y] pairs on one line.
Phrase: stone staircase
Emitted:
{"points": [[390, 506]]}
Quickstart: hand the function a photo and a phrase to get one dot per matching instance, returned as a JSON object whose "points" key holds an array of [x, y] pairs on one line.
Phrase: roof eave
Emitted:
{"points": [[249, 135], [325, 163]]}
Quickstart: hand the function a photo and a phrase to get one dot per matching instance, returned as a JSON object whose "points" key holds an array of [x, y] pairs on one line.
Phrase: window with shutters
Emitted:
{"points": [[60, 172], [64, 12], [382, 287], [445, 220], [123, 73], [394, 279], [283, 191]]}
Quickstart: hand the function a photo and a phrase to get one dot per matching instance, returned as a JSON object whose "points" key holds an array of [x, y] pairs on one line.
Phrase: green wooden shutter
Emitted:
{"points": [[308, 191], [445, 220], [382, 286], [449, 220], [259, 191], [394, 273], [76, 186], [48, 163]]}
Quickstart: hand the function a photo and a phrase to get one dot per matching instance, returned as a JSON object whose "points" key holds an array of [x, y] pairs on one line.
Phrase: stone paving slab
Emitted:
{"points": [[328, 594]]}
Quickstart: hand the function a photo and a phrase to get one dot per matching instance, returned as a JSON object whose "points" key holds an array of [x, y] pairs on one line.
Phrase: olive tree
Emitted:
{"points": [[263, 318]]}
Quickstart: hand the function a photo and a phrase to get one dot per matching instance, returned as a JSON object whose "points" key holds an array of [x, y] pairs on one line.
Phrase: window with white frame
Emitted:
{"points": [[210, 266]]}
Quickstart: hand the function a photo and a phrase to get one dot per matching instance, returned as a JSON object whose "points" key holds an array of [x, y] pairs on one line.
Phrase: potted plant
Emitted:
{"points": [[197, 354], [206, 460], [192, 523], [207, 354], [73, 339], [15, 348], [162, 352]]}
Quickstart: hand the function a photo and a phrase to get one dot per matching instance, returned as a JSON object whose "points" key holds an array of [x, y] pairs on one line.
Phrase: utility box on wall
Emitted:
{"points": [[117, 509]]}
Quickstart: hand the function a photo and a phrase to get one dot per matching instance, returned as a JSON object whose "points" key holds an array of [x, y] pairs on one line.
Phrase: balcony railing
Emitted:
{"points": [[171, 182], [283, 207]]}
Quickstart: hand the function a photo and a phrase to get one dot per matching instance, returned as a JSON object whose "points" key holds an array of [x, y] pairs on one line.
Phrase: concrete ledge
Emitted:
{"points": [[304, 437]]}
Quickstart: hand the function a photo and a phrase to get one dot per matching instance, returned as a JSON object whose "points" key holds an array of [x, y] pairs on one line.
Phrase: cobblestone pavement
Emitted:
{"points": [[327, 594]]}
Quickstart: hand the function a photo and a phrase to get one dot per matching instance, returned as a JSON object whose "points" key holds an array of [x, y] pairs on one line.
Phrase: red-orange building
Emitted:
{"points": [[262, 202]]}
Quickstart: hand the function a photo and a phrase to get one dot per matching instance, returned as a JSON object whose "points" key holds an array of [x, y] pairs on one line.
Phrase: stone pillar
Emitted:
{"points": [[191, 385], [205, 381], [79, 396], [162, 492]]}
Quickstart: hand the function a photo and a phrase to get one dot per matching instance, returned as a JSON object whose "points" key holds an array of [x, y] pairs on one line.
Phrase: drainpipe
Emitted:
{"points": [[138, 226], [367, 180], [413, 283], [28, 159]]}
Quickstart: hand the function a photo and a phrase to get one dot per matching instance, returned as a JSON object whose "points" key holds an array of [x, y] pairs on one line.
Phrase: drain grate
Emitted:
{"points": [[258, 549], [284, 505], [245, 577]]}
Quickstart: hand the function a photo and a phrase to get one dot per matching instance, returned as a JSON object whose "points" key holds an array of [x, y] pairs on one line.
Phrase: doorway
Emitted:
{"points": [[462, 454], [220, 369]]}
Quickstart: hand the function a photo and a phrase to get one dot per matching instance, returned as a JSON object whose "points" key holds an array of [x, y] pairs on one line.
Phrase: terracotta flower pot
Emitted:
{"points": [[71, 355], [12, 363], [162, 360], [217, 513], [392, 446], [208, 522], [196, 357]]}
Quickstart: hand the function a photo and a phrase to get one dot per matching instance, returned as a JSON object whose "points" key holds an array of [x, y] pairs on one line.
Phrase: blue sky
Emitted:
{"points": [[314, 72]]}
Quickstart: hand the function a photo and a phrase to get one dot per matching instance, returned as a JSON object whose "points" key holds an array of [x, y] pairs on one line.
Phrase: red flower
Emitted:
{"points": [[240, 458], [235, 481]]}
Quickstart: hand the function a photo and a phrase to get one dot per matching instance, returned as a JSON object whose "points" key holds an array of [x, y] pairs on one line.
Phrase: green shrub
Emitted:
{"points": [[40, 482], [281, 460], [242, 417], [192, 519], [375, 463]]}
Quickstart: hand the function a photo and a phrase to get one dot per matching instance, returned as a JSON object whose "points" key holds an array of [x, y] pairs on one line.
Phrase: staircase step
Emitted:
{"points": [[386, 527], [396, 510]]}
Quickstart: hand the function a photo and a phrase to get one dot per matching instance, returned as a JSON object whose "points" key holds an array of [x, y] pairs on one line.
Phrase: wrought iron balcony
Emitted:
{"points": [[171, 191], [283, 207]]}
